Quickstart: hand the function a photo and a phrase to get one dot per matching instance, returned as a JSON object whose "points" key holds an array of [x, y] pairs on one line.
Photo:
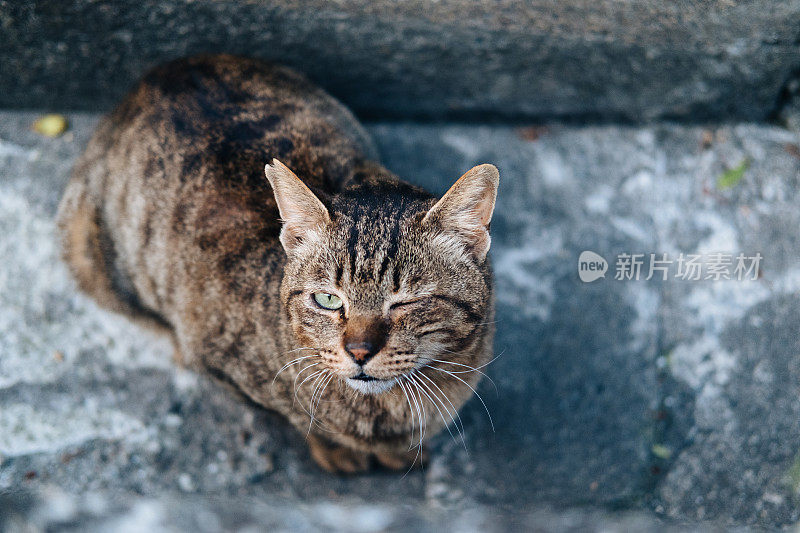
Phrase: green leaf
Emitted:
{"points": [[661, 451], [794, 474], [733, 176]]}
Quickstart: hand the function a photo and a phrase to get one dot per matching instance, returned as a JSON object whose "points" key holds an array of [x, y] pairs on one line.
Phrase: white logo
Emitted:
{"points": [[591, 266]]}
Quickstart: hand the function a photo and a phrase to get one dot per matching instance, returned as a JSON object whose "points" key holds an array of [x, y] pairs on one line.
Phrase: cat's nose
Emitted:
{"points": [[361, 352]]}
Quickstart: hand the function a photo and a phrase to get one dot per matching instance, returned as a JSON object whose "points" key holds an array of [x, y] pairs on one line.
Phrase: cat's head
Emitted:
{"points": [[381, 280]]}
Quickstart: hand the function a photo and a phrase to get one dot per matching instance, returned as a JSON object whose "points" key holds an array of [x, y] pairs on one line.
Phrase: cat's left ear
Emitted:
{"points": [[301, 211], [466, 209]]}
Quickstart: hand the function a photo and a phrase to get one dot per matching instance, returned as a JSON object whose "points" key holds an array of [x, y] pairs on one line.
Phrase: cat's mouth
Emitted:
{"points": [[367, 384], [365, 377]]}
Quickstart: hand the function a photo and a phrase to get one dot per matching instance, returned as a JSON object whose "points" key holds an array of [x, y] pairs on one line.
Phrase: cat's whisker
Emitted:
{"points": [[279, 355], [410, 410], [495, 358], [433, 397], [417, 408], [300, 349], [316, 374], [420, 414], [314, 391], [460, 424], [424, 428], [424, 393], [294, 385], [454, 372], [455, 419], [411, 446], [424, 416], [322, 391], [491, 422], [426, 359], [340, 397], [469, 370], [290, 363], [298, 387]]}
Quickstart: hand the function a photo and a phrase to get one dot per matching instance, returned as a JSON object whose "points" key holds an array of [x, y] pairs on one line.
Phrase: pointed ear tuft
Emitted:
{"points": [[466, 209], [300, 210]]}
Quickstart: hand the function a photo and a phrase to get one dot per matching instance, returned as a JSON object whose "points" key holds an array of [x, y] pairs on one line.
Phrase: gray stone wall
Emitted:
{"points": [[631, 60]]}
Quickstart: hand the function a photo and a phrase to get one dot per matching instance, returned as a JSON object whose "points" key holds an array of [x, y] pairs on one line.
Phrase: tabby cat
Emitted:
{"points": [[356, 305]]}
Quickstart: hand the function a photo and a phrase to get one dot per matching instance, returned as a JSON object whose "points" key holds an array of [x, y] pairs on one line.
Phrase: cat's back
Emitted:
{"points": [[223, 117]]}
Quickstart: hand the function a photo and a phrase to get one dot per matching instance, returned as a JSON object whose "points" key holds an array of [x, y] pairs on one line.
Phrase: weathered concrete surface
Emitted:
{"points": [[98, 513], [601, 59], [788, 113], [677, 399]]}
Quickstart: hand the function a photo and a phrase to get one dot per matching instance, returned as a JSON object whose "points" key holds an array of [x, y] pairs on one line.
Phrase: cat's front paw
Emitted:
{"points": [[402, 460], [337, 459]]}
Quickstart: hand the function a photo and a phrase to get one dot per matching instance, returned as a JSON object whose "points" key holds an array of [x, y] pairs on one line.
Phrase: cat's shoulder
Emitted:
{"points": [[212, 86]]}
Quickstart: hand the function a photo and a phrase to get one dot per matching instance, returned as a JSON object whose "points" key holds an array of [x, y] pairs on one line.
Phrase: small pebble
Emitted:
{"points": [[269, 464], [707, 139], [172, 420], [185, 482]]}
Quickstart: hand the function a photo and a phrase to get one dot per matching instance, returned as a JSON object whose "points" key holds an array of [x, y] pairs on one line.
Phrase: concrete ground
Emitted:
{"points": [[619, 404]]}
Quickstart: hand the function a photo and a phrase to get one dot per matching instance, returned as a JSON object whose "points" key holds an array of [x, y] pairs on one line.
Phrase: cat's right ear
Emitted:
{"points": [[301, 211], [464, 212]]}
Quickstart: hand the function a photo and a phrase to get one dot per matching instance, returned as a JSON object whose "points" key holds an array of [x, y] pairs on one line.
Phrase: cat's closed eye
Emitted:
{"points": [[407, 303], [405, 306]]}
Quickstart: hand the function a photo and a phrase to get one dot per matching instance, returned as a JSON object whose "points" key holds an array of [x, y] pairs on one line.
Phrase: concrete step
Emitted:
{"points": [[678, 399], [633, 60]]}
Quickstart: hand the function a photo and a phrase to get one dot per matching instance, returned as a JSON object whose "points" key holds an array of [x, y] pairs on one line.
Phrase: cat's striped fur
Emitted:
{"points": [[169, 218]]}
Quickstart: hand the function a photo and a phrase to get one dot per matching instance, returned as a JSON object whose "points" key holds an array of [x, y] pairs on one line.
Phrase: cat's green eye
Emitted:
{"points": [[328, 301]]}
